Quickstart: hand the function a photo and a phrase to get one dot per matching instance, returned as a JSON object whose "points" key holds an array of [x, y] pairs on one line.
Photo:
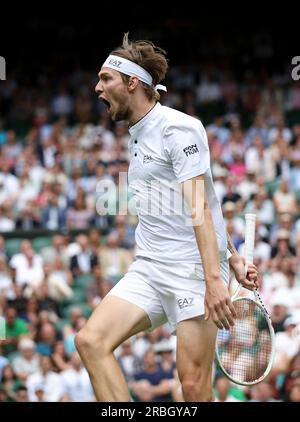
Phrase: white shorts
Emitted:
{"points": [[166, 292]]}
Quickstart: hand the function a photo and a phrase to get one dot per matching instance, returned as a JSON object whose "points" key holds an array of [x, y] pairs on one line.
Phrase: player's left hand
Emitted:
{"points": [[245, 274]]}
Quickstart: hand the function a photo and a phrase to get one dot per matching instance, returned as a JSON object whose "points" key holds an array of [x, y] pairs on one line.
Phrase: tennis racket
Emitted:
{"points": [[245, 352]]}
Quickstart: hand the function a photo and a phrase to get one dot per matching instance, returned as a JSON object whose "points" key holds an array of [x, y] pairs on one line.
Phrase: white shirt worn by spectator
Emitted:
{"points": [[77, 385], [6, 224], [6, 285], [25, 366], [24, 272], [52, 384]]}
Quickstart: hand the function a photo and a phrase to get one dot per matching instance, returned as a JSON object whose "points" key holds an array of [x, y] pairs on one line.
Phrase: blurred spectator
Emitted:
{"points": [[262, 392], [86, 259], [223, 391], [46, 381], [28, 361], [114, 259], [27, 264], [46, 339], [53, 215], [3, 362], [76, 382], [129, 362], [10, 382], [6, 283], [15, 328], [57, 249], [284, 200], [152, 384], [78, 215], [59, 357], [21, 394]]}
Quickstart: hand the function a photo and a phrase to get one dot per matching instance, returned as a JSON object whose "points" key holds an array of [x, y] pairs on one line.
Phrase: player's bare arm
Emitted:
{"points": [[218, 305]]}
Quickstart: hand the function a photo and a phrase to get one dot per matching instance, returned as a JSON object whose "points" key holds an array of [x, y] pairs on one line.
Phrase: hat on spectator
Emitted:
{"points": [[283, 234], [219, 171], [163, 346], [26, 343], [229, 206], [39, 387], [291, 320], [280, 300]]}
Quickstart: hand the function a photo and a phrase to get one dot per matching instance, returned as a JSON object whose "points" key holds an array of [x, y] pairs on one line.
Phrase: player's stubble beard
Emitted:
{"points": [[122, 113]]}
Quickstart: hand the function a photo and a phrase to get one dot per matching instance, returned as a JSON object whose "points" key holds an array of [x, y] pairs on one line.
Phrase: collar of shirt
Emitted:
{"points": [[140, 123]]}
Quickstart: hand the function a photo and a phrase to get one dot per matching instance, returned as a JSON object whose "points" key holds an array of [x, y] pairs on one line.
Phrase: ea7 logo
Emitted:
{"points": [[147, 159], [185, 302], [191, 149], [115, 63], [296, 70], [2, 69]]}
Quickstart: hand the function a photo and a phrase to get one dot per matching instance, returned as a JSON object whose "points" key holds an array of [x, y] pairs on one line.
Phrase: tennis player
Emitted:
{"points": [[181, 270]]}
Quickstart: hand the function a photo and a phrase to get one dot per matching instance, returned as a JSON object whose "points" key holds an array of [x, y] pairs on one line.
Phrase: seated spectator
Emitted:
{"points": [[27, 264], [15, 328], [21, 394], [129, 362], [152, 383], [46, 339], [45, 302], [76, 382], [3, 362], [6, 282], [10, 382], [85, 260], [282, 248], [284, 200], [57, 249], [59, 357], [29, 218], [7, 224], [54, 217], [223, 391], [79, 215], [97, 289], [45, 380], [287, 344], [114, 259], [262, 392], [60, 281], [28, 362]]}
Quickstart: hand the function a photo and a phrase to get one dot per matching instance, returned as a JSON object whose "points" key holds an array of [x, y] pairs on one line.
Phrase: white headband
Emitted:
{"points": [[131, 69]]}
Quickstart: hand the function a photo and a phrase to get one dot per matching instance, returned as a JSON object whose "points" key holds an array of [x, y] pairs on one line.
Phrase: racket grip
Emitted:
{"points": [[249, 237]]}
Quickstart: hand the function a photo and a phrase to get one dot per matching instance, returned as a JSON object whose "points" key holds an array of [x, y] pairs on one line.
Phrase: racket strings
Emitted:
{"points": [[244, 351]]}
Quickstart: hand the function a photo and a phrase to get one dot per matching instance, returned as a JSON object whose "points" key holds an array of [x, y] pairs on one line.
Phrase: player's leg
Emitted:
{"points": [[131, 306], [183, 301], [112, 322], [195, 355]]}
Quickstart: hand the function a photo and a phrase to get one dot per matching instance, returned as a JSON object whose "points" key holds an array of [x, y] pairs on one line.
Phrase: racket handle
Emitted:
{"points": [[249, 237]]}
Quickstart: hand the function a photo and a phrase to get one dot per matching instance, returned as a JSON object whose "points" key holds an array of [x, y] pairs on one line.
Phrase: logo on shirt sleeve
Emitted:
{"points": [[191, 149]]}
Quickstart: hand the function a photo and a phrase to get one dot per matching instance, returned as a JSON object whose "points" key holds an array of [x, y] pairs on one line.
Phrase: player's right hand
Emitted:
{"points": [[218, 305]]}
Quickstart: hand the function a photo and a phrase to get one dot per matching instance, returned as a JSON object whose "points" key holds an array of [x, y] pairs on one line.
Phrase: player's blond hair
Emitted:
{"points": [[148, 56]]}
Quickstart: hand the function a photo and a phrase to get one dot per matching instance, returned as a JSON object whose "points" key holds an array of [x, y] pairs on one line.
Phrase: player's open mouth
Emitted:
{"points": [[107, 103]]}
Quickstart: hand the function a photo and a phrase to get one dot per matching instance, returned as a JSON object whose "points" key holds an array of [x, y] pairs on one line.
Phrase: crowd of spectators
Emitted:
{"points": [[59, 256]]}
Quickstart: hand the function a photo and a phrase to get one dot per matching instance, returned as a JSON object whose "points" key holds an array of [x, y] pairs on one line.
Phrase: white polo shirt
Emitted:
{"points": [[166, 148]]}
